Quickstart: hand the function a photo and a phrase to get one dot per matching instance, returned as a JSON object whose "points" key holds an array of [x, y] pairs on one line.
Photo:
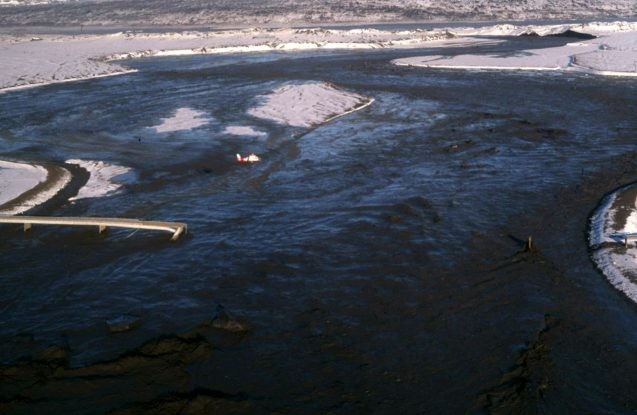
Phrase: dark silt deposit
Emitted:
{"points": [[379, 263]]}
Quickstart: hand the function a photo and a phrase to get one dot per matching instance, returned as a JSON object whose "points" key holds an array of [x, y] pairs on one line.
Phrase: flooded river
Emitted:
{"points": [[378, 260]]}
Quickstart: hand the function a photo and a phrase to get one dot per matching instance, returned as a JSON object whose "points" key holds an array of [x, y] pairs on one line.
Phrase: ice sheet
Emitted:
{"points": [[244, 131], [617, 263], [613, 53], [183, 119], [63, 58], [307, 104], [100, 182], [17, 178]]}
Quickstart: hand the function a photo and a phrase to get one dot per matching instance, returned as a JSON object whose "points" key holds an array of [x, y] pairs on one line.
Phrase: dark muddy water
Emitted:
{"points": [[377, 258]]}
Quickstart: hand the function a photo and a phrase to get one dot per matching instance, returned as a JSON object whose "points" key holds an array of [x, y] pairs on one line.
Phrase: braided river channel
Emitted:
{"points": [[376, 263]]}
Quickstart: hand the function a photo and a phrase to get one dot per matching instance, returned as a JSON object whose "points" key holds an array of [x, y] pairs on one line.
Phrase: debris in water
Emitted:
{"points": [[226, 321], [124, 322]]}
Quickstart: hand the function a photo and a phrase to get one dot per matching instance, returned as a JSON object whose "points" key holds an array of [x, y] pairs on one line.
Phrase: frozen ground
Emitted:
{"points": [[17, 178], [59, 58], [29, 2], [613, 52], [615, 217], [243, 131], [24, 186], [183, 119], [307, 104], [100, 182], [277, 12], [62, 58]]}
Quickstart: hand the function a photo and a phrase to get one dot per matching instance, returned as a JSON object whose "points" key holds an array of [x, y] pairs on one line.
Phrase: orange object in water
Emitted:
{"points": [[248, 159]]}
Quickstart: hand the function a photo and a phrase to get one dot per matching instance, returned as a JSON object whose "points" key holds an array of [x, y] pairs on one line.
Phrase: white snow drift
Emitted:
{"points": [[615, 217], [242, 130], [613, 53], [183, 119], [16, 179], [308, 104], [100, 182], [63, 58]]}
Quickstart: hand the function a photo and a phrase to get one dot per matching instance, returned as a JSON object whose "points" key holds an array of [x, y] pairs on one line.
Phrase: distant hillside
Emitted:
{"points": [[277, 12]]}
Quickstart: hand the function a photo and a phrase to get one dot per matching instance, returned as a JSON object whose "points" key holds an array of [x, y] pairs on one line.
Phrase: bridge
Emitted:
{"points": [[176, 228]]}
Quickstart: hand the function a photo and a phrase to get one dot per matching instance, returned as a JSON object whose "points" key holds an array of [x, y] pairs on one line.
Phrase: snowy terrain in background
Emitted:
{"points": [[62, 58], [59, 58], [31, 2], [307, 104], [613, 53], [283, 12]]}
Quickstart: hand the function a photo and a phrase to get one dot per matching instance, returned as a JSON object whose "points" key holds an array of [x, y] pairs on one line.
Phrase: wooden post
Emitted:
{"points": [[27, 226], [102, 228]]}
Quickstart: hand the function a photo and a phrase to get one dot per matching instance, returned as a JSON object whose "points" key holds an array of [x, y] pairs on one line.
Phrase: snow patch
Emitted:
{"points": [[183, 119], [614, 53], [18, 178], [603, 221], [244, 131], [617, 263], [616, 268], [308, 104], [64, 58], [100, 181]]}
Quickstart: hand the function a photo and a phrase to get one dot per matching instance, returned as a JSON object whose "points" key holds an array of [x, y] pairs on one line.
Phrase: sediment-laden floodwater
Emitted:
{"points": [[378, 260]]}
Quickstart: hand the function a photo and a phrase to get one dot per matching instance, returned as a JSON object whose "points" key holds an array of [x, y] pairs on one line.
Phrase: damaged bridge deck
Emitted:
{"points": [[176, 228]]}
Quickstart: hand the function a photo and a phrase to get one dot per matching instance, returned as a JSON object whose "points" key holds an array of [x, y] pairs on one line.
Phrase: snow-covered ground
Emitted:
{"points": [[613, 52], [28, 2], [307, 104], [17, 179], [60, 58], [182, 119], [100, 182], [298, 12], [615, 217], [243, 130]]}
